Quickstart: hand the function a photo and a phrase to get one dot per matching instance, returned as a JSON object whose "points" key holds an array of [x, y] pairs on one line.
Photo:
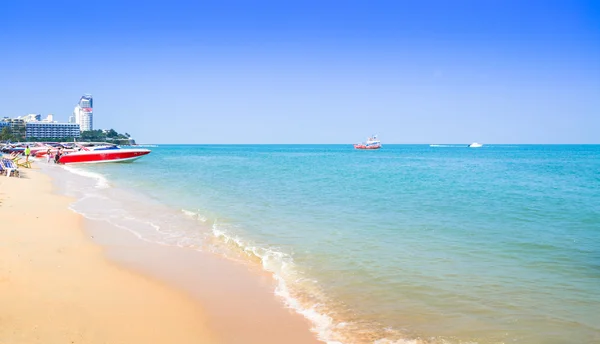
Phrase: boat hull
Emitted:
{"points": [[91, 157], [367, 147]]}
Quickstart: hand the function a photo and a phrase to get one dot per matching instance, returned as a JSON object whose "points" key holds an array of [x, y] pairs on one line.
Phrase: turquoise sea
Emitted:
{"points": [[406, 244]]}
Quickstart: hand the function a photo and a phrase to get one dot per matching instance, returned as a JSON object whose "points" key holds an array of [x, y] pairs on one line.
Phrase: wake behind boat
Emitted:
{"points": [[371, 143], [97, 153]]}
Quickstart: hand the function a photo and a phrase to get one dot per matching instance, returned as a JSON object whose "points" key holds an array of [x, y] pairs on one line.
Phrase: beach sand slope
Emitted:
{"points": [[57, 287]]}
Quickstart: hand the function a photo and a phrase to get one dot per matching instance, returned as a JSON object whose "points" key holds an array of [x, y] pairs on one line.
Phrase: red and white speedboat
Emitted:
{"points": [[103, 153]]}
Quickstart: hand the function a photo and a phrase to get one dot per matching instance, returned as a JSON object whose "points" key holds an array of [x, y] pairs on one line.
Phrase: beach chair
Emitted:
{"points": [[14, 155], [24, 163], [17, 159], [10, 167], [3, 167]]}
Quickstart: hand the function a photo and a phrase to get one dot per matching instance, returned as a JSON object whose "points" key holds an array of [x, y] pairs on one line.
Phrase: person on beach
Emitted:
{"points": [[57, 155], [48, 155], [27, 152]]}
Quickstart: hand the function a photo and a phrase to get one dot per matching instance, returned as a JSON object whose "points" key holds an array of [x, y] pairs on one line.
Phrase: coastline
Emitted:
{"points": [[65, 278]]}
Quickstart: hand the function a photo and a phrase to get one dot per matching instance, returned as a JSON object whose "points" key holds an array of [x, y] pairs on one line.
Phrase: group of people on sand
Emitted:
{"points": [[57, 155], [49, 155]]}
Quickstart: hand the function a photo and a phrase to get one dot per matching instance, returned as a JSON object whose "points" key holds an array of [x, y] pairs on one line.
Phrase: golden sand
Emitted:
{"points": [[56, 286]]}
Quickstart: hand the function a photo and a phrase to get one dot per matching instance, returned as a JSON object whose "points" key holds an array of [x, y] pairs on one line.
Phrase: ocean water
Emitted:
{"points": [[407, 244]]}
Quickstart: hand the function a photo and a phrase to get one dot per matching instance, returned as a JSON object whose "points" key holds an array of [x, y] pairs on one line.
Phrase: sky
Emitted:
{"points": [[312, 71]]}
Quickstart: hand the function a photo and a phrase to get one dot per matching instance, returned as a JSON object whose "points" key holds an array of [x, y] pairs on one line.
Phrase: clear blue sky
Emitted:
{"points": [[323, 71]]}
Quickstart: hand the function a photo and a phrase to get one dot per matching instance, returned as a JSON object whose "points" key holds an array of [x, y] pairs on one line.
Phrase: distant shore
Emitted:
{"points": [[57, 285]]}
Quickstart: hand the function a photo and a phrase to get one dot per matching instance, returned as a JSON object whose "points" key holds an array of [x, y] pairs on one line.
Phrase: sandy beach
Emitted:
{"points": [[57, 284]]}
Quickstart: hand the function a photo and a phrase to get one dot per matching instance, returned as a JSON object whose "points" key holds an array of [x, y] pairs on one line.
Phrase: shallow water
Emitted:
{"points": [[499, 244]]}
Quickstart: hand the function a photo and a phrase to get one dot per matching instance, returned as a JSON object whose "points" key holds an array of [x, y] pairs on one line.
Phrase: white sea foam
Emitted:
{"points": [[194, 215], [282, 266], [116, 224], [101, 181], [149, 223]]}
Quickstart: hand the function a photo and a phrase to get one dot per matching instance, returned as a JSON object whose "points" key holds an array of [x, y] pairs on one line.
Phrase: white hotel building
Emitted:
{"points": [[51, 130], [48, 128], [84, 113]]}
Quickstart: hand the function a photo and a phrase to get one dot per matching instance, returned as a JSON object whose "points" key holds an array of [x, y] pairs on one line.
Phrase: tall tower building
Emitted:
{"points": [[84, 113]]}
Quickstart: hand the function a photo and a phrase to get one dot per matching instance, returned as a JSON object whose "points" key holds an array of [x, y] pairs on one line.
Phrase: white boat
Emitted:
{"points": [[475, 145]]}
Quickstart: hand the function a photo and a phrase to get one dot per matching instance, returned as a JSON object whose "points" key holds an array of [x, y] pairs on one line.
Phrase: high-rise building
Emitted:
{"points": [[83, 113]]}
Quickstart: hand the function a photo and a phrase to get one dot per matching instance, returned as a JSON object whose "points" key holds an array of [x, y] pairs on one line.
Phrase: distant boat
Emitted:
{"points": [[371, 143], [475, 145]]}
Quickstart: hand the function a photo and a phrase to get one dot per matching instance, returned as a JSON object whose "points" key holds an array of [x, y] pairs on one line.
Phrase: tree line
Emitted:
{"points": [[8, 134], [100, 135]]}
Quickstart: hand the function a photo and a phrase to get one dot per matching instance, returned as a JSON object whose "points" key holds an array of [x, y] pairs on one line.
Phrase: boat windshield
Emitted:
{"points": [[107, 148]]}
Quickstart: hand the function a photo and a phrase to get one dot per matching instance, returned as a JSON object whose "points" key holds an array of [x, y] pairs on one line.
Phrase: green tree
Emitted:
{"points": [[6, 134], [93, 135], [112, 134]]}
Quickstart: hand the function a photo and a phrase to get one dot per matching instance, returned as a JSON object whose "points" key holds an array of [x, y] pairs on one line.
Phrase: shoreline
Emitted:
{"points": [[210, 299]]}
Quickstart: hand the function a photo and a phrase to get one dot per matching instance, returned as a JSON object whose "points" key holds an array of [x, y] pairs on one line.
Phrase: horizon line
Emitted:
{"points": [[387, 144]]}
